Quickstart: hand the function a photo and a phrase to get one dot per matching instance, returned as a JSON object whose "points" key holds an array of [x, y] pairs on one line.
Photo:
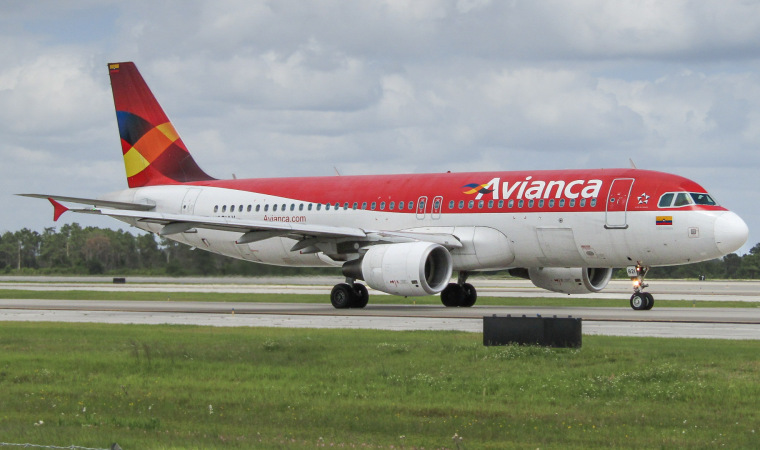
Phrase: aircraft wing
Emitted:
{"points": [[308, 235], [95, 202]]}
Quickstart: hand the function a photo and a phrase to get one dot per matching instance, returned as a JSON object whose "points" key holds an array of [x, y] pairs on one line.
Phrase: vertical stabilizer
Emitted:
{"points": [[153, 151]]}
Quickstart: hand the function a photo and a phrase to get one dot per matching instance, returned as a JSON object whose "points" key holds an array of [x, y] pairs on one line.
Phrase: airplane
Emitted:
{"points": [[564, 230]]}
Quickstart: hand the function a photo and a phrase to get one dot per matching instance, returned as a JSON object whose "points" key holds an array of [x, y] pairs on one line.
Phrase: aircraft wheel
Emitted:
{"points": [[453, 295], [639, 301], [470, 295], [342, 296], [650, 300], [361, 296]]}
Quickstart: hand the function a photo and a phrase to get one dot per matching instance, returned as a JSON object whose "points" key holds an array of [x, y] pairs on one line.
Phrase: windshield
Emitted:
{"points": [[703, 199], [680, 199]]}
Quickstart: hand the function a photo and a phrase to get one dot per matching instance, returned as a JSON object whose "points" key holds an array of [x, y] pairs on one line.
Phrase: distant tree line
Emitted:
{"points": [[75, 250]]}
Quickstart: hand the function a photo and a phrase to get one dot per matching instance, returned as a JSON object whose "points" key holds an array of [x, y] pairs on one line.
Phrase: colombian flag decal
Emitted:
{"points": [[664, 220]]}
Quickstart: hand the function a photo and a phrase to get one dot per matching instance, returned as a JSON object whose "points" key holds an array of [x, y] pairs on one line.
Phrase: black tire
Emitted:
{"points": [[650, 300], [470, 295], [361, 296], [639, 301], [452, 295], [342, 296]]}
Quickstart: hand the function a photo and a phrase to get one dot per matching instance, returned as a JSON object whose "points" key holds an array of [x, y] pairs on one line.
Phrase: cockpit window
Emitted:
{"points": [[666, 200], [680, 199], [703, 199]]}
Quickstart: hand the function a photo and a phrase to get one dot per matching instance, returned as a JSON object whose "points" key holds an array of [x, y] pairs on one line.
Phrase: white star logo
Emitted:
{"points": [[643, 199]]}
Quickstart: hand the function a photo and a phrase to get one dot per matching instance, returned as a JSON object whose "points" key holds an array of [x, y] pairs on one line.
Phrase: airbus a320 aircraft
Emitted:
{"points": [[406, 234]]}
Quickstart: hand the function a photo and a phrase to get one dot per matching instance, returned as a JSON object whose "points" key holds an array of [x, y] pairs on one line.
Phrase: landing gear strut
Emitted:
{"points": [[640, 300], [460, 293], [349, 295]]}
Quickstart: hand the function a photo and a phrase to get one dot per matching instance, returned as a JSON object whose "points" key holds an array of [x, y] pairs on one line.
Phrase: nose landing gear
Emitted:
{"points": [[640, 300]]}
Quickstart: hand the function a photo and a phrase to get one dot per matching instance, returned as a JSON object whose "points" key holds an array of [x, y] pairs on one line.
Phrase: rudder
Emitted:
{"points": [[154, 153]]}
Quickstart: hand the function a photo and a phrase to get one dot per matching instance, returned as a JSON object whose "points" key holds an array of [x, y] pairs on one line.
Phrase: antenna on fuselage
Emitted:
{"points": [[633, 164], [336, 171]]}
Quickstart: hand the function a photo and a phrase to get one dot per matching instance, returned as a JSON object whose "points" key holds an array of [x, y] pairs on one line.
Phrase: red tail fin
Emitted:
{"points": [[153, 151]]}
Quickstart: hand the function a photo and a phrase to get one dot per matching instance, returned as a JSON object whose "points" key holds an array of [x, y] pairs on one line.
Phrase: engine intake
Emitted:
{"points": [[407, 269], [568, 280]]}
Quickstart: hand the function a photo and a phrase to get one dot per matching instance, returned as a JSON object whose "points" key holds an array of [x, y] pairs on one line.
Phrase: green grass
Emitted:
{"points": [[376, 299], [202, 387]]}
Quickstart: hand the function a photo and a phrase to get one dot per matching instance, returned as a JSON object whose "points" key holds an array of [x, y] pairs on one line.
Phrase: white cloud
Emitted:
{"points": [[281, 88]]}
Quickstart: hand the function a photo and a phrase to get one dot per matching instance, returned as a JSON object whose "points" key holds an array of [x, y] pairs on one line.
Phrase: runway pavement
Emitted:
{"points": [[715, 323], [748, 291], [712, 323]]}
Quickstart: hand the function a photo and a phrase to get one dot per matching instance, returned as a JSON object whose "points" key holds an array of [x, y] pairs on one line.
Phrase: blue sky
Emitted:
{"points": [[287, 88]]}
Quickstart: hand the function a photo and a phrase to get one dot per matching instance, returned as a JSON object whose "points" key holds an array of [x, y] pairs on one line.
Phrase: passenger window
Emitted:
{"points": [[345, 205], [309, 207], [461, 204], [319, 206], [284, 206], [292, 206], [480, 204], [354, 206], [232, 208], [400, 206], [327, 206], [511, 204], [583, 202], [541, 203], [593, 202], [392, 206], [240, 208], [258, 208], [531, 202], [374, 204], [224, 208], [501, 204], [521, 203], [266, 208], [562, 203], [451, 204], [300, 207], [382, 206], [551, 203], [411, 205], [470, 204], [216, 208], [572, 203], [364, 205], [274, 207], [682, 200], [249, 208], [490, 204], [337, 206]]}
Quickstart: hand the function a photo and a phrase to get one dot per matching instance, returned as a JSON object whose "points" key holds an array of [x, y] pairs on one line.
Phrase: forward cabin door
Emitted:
{"points": [[617, 203]]}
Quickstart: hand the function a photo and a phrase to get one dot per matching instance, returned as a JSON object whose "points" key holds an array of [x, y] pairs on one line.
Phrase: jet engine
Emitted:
{"points": [[407, 269], [570, 280]]}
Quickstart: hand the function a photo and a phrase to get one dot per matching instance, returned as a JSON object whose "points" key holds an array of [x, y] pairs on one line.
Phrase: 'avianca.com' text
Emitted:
{"points": [[289, 219]]}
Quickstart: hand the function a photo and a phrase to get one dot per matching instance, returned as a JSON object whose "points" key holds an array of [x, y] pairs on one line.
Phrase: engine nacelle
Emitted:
{"points": [[573, 280], [407, 269]]}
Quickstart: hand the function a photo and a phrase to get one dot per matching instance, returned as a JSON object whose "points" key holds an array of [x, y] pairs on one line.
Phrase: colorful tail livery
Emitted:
{"points": [[154, 154], [565, 230]]}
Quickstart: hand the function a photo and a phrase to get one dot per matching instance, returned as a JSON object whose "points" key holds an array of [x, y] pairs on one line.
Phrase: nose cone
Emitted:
{"points": [[730, 232]]}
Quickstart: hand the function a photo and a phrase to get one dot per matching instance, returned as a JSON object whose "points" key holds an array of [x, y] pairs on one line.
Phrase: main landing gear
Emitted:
{"points": [[640, 300], [349, 295], [459, 293]]}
